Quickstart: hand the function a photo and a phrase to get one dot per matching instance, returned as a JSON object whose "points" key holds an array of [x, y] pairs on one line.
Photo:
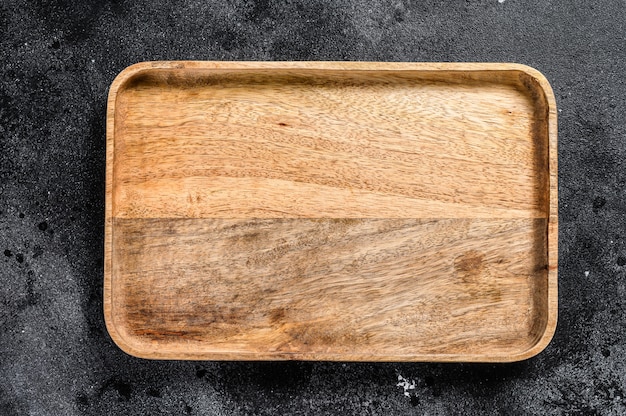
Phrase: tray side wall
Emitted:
{"points": [[540, 88]]}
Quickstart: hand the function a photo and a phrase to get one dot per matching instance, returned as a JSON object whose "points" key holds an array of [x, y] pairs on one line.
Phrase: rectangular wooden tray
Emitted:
{"points": [[331, 211]]}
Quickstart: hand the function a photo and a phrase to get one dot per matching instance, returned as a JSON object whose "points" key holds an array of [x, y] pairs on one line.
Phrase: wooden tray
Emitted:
{"points": [[331, 211]]}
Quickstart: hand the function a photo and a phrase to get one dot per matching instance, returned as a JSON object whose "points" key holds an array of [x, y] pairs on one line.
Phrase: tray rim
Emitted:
{"points": [[349, 66]]}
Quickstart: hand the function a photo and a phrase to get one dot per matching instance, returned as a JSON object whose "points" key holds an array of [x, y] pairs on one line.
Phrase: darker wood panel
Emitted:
{"points": [[345, 285]]}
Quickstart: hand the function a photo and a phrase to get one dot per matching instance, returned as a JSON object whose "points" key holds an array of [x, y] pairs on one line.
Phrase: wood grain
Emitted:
{"points": [[331, 211]]}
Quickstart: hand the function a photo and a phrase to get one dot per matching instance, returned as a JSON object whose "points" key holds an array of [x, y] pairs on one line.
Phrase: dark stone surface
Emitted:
{"points": [[57, 59]]}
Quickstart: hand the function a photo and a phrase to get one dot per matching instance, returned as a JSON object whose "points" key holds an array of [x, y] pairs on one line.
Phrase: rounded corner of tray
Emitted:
{"points": [[124, 344], [541, 343], [541, 82], [126, 75], [127, 346]]}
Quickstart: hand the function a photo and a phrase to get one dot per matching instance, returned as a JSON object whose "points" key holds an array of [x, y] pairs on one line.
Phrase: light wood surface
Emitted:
{"points": [[331, 211]]}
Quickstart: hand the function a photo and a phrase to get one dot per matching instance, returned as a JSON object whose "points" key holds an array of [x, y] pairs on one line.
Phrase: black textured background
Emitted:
{"points": [[57, 59]]}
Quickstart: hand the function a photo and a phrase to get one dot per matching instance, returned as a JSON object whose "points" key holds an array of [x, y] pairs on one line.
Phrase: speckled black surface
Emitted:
{"points": [[57, 59]]}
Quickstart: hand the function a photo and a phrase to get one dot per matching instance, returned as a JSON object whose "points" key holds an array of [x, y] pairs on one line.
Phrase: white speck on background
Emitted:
{"points": [[500, 1], [586, 273], [406, 384]]}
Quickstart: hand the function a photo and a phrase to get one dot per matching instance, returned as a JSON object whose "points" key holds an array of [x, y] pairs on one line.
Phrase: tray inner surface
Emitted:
{"points": [[329, 214]]}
